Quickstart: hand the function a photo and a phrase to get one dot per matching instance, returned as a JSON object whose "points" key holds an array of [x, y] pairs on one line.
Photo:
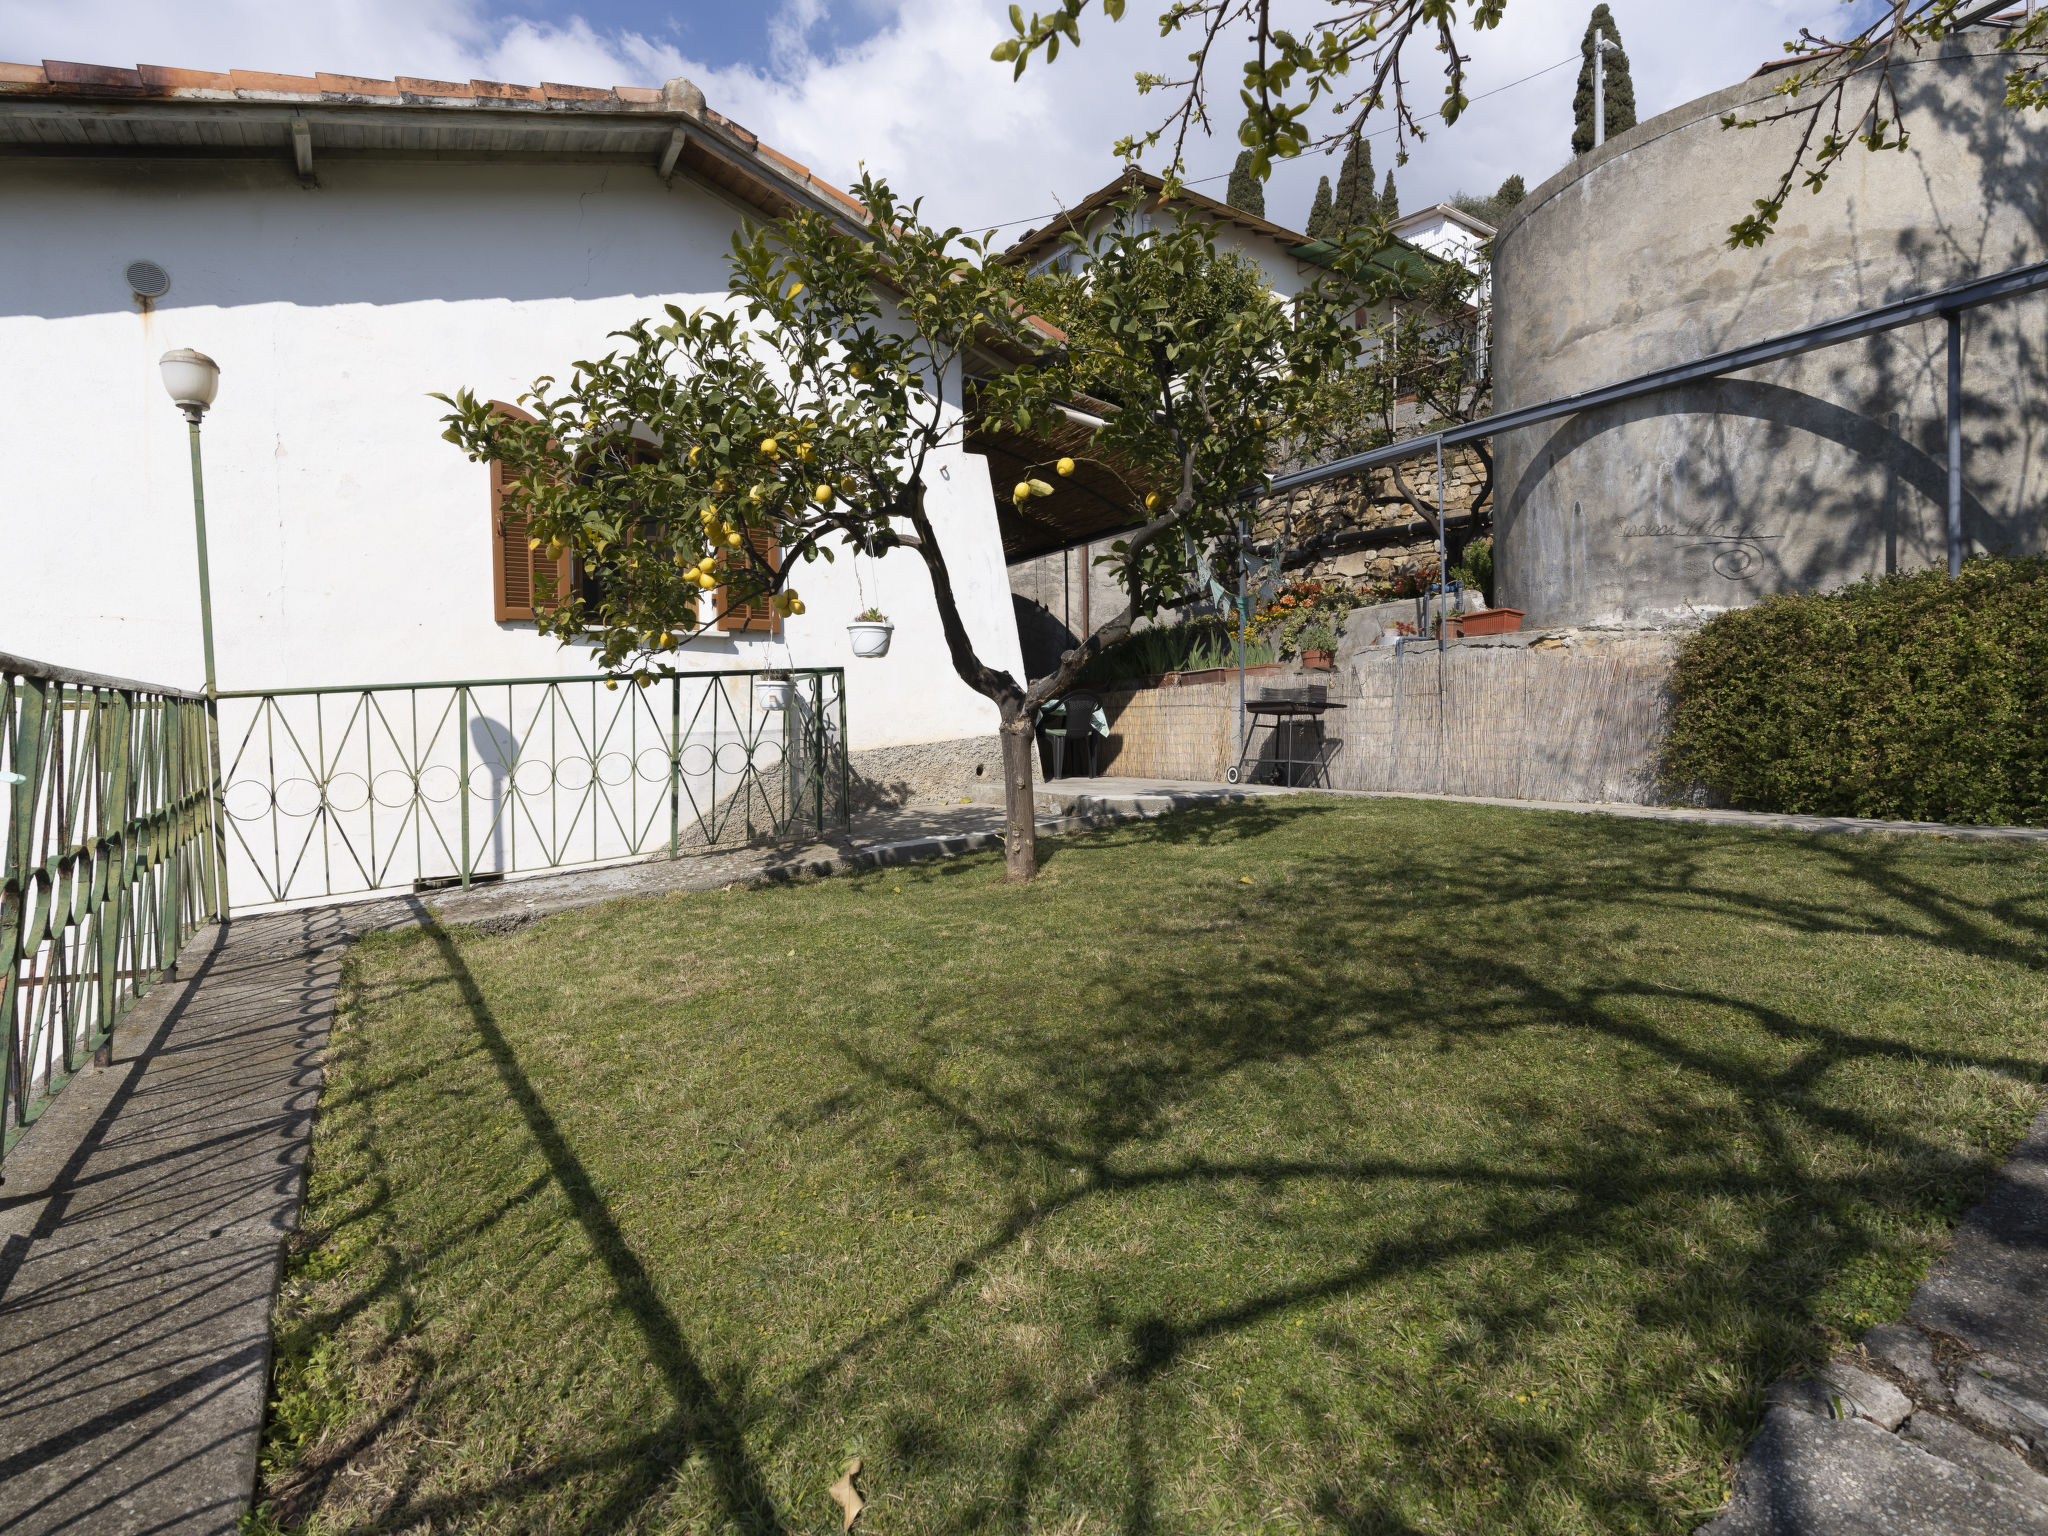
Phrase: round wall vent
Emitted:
{"points": [[148, 280]]}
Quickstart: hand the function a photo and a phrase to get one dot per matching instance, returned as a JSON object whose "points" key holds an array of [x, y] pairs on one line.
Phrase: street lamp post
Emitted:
{"points": [[192, 379]]}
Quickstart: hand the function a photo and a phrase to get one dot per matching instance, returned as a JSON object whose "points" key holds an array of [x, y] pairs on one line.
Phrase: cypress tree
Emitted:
{"points": [[1244, 190], [1390, 200], [1353, 203], [1319, 212], [1620, 89], [1511, 192]]}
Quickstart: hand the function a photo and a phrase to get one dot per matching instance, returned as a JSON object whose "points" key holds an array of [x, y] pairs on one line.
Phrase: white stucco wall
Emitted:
{"points": [[349, 542]]}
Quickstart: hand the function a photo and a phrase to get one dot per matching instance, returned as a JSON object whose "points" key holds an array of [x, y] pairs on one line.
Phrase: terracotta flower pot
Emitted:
{"points": [[1318, 661], [1490, 621]]}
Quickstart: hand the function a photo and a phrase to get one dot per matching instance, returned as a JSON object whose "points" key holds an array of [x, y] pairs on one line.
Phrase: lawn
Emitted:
{"points": [[1314, 1166]]}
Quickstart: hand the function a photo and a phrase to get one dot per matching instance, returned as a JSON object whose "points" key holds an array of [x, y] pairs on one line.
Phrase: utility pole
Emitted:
{"points": [[1602, 46]]}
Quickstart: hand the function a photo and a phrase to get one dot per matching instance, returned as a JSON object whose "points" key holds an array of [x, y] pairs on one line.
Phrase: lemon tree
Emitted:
{"points": [[799, 416]]}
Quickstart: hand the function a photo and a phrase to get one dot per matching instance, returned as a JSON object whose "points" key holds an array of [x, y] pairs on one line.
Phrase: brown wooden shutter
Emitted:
{"points": [[760, 614], [522, 579]]}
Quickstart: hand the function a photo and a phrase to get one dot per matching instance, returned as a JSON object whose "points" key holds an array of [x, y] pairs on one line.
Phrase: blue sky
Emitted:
{"points": [[906, 87], [721, 35]]}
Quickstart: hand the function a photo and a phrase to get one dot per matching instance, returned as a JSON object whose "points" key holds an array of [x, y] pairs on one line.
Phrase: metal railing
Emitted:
{"points": [[341, 791], [111, 860]]}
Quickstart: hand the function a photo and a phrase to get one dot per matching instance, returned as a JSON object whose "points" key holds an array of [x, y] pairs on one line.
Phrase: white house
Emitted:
{"points": [[344, 248], [1445, 231], [1285, 256]]}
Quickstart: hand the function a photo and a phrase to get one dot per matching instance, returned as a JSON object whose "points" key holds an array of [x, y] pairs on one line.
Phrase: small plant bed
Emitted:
{"points": [[1309, 1166]]}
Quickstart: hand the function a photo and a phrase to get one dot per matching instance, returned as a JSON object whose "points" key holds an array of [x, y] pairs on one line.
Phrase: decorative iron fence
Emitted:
{"points": [[339, 791], [111, 860]]}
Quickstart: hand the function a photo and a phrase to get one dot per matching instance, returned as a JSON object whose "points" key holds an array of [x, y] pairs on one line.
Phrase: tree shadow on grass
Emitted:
{"points": [[1746, 1109], [1393, 951]]}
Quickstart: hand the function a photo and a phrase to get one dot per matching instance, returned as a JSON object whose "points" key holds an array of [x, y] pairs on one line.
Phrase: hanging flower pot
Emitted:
{"points": [[771, 691], [870, 633]]}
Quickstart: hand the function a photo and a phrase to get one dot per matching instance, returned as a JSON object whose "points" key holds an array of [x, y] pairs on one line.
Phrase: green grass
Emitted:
{"points": [[1468, 1170]]}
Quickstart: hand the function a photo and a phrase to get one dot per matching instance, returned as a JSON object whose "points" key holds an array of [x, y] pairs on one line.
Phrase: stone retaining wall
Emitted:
{"points": [[1558, 715]]}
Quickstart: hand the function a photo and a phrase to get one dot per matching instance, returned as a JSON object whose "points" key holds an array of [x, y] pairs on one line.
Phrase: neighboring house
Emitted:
{"points": [[1448, 232], [1059, 592], [344, 248], [1286, 256]]}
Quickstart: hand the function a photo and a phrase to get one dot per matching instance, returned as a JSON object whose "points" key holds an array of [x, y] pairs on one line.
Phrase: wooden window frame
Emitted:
{"points": [[509, 551], [754, 617]]}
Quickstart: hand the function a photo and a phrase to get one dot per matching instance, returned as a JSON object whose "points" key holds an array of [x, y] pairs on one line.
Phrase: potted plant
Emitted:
{"points": [[1318, 643], [870, 633], [771, 691]]}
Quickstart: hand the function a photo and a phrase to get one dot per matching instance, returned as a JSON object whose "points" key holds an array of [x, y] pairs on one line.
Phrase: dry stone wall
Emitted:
{"points": [[1396, 541]]}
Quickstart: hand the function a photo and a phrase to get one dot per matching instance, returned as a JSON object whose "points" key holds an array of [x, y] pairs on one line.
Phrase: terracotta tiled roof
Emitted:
{"points": [[63, 80]]}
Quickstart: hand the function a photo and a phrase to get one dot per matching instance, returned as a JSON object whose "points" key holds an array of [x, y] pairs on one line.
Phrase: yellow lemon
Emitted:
{"points": [[734, 539], [555, 549], [612, 683], [707, 562], [805, 453], [769, 447], [645, 679], [1065, 466], [856, 371], [1151, 501], [847, 485], [667, 641], [822, 495], [797, 606], [706, 580], [1020, 490]]}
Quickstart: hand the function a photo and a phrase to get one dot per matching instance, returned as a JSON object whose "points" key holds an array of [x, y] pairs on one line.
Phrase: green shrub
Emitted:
{"points": [[1193, 645], [1911, 697]]}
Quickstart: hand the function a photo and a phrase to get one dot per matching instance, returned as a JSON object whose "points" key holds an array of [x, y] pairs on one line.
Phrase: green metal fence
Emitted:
{"points": [[111, 860], [338, 791]]}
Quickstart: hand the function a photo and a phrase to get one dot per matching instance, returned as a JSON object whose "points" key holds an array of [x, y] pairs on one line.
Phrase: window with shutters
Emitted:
{"points": [[759, 614], [523, 579]]}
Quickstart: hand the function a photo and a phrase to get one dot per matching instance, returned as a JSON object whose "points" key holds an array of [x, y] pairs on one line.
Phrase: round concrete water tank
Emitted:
{"points": [[1803, 474]]}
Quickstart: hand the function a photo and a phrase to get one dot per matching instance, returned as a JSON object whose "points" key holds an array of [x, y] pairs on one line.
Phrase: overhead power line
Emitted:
{"points": [[1202, 181]]}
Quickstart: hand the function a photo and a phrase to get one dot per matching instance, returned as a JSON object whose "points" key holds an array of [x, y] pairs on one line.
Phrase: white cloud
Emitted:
{"points": [[920, 101]]}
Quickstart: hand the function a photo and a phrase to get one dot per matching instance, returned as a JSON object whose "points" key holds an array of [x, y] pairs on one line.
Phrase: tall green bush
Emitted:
{"points": [[1912, 697]]}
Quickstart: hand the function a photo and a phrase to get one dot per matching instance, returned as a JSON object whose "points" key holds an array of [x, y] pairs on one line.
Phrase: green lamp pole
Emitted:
{"points": [[192, 379]]}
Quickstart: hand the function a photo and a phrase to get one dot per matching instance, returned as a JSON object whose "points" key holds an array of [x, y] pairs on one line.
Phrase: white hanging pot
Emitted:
{"points": [[771, 693], [870, 636]]}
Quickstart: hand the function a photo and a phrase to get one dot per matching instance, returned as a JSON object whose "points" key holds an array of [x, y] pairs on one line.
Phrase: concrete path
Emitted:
{"points": [[1937, 1426], [1070, 793], [140, 1239]]}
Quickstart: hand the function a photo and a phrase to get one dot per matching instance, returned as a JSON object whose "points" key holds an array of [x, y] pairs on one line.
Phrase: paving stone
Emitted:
{"points": [[1810, 1476], [1876, 1399], [1810, 1394], [2005, 1395], [1995, 1463], [1904, 1349], [1991, 1291]]}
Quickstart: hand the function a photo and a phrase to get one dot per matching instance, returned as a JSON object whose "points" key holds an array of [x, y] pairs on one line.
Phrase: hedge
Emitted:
{"points": [[1920, 697]]}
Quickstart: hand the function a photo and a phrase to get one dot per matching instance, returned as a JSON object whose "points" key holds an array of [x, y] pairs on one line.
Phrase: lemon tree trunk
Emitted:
{"points": [[1020, 803]]}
